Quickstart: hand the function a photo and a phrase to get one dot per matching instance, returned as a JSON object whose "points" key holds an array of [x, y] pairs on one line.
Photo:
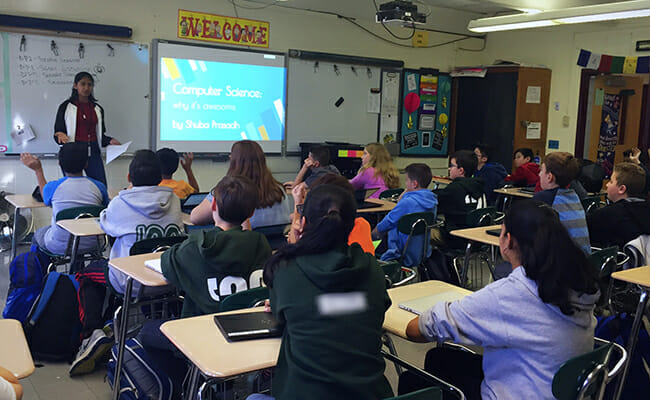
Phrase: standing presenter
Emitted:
{"points": [[81, 119]]}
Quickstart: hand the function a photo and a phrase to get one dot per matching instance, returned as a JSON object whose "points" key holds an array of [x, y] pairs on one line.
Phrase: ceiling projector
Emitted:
{"points": [[400, 11]]}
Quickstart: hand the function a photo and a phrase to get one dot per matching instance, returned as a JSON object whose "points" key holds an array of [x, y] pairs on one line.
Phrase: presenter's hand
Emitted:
{"points": [[114, 142], [62, 138], [31, 161], [186, 161]]}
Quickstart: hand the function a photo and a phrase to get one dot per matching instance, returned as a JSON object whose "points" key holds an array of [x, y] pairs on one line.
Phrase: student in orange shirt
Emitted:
{"points": [[361, 231], [169, 163]]}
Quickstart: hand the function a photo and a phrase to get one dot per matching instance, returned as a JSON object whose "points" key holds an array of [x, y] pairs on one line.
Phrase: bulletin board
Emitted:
{"points": [[426, 102]]}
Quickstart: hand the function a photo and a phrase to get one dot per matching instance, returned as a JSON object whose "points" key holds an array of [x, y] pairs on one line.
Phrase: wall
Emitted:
{"points": [[151, 19], [558, 48]]}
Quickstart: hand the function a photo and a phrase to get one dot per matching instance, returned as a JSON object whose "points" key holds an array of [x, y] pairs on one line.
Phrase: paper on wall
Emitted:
{"points": [[534, 130], [534, 94], [374, 101], [114, 151]]}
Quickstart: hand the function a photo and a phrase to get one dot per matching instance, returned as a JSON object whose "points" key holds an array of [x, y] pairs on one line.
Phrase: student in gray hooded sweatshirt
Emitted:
{"points": [[142, 212], [531, 322]]}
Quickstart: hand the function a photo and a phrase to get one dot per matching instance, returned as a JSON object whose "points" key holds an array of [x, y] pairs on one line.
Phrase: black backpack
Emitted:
{"points": [[53, 327], [439, 267]]}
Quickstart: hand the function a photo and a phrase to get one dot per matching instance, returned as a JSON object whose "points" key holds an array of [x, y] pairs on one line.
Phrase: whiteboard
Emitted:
{"points": [[312, 114], [36, 79]]}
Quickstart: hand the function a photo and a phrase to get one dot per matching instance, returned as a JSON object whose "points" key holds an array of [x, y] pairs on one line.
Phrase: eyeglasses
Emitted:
{"points": [[452, 166]]}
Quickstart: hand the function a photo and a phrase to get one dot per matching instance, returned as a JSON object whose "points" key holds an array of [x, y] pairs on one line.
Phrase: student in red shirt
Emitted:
{"points": [[527, 171]]}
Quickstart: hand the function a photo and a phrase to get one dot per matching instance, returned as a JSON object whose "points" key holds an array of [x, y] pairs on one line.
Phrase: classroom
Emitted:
{"points": [[340, 28]]}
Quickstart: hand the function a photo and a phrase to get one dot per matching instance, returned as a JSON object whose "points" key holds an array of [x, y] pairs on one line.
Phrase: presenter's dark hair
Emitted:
{"points": [[73, 157], [144, 169], [526, 152], [320, 154], [75, 95], [236, 198], [419, 172], [168, 161], [247, 159], [465, 159], [329, 214], [548, 254]]}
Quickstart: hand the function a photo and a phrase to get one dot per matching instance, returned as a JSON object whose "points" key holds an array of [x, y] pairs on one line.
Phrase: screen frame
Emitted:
{"points": [[155, 100]]}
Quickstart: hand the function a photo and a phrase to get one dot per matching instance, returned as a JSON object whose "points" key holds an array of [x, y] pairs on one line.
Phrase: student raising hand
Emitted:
{"points": [[31, 161]]}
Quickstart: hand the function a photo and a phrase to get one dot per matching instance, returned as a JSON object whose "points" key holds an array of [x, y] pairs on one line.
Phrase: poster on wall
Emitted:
{"points": [[608, 132], [221, 29]]}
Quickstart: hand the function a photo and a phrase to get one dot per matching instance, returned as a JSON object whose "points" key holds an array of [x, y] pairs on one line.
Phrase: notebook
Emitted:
{"points": [[360, 196], [154, 264], [421, 304], [246, 326], [494, 232]]}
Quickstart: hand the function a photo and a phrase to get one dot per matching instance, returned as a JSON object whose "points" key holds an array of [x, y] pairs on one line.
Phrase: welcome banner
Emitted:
{"points": [[221, 29]]}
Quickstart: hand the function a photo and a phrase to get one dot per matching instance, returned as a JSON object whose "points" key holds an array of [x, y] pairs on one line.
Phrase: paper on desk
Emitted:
{"points": [[114, 151]]}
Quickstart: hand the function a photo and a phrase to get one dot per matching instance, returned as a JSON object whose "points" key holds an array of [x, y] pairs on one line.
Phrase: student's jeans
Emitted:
{"points": [[95, 168]]}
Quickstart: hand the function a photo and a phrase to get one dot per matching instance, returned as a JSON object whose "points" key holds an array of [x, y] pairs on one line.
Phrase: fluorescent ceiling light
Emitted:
{"points": [[599, 12]]}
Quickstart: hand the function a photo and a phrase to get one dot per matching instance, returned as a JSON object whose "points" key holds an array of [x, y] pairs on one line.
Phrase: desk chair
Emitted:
{"points": [[606, 261], [414, 225], [476, 218], [391, 194], [590, 204], [587, 375], [253, 297], [70, 255]]}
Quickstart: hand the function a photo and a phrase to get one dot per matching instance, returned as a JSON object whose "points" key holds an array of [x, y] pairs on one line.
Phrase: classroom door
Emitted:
{"points": [[615, 118]]}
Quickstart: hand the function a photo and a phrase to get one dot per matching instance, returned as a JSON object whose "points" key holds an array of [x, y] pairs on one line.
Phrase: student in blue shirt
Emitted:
{"points": [[73, 190], [416, 198]]}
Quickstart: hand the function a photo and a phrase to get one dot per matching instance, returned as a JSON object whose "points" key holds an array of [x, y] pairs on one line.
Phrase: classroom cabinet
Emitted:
{"points": [[507, 109]]}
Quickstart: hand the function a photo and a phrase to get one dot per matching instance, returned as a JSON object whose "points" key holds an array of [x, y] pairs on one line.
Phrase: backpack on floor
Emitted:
{"points": [[25, 279], [52, 328], [141, 377], [438, 267]]}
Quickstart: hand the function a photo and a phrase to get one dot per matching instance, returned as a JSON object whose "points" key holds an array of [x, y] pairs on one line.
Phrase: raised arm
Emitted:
{"points": [[186, 163], [32, 162]]}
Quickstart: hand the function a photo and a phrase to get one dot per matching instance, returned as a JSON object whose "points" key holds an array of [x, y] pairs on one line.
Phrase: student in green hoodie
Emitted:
{"points": [[201, 264], [331, 298]]}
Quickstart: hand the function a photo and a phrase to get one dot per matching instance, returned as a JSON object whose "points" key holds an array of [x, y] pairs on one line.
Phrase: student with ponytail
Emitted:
{"points": [[331, 298]]}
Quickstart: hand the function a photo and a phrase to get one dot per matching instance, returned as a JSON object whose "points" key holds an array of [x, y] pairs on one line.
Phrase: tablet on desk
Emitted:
{"points": [[494, 232], [250, 325], [360, 197], [422, 304]]}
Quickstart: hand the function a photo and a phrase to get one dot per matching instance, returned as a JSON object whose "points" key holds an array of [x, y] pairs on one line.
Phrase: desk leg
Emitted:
{"points": [[636, 325], [463, 275], [73, 256], [121, 337], [192, 385], [14, 239]]}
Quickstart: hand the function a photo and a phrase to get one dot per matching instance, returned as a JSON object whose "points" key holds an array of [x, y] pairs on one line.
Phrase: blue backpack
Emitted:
{"points": [[26, 277]]}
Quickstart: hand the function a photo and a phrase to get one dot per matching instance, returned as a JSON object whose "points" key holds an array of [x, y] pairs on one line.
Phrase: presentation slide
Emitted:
{"points": [[209, 98]]}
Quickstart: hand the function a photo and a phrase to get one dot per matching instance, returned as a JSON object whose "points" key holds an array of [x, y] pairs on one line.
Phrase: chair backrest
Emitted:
{"points": [[481, 217], [590, 203], [416, 224], [390, 193], [90, 211], [155, 245], [584, 376], [604, 260], [244, 299], [430, 393]]}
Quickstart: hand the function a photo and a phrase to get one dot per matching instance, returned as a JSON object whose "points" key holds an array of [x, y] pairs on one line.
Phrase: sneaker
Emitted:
{"points": [[108, 329], [91, 350]]}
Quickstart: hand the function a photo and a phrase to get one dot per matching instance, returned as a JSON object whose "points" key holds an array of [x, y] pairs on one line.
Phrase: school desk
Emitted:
{"points": [[214, 357], [14, 351], [477, 235], [20, 201], [382, 206], [510, 193], [78, 228], [134, 268], [641, 277], [440, 180]]}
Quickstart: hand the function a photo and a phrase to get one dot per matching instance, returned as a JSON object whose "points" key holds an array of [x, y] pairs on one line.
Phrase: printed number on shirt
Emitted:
{"points": [[233, 284]]}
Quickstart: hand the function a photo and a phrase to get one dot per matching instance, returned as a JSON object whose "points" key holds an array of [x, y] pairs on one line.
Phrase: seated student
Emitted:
{"points": [[527, 171], [315, 165], [73, 190], [377, 171], [461, 196], [628, 214], [331, 298], [492, 173], [198, 265], [360, 233], [273, 208], [415, 198], [634, 155], [142, 212], [169, 163], [529, 323], [557, 171]]}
